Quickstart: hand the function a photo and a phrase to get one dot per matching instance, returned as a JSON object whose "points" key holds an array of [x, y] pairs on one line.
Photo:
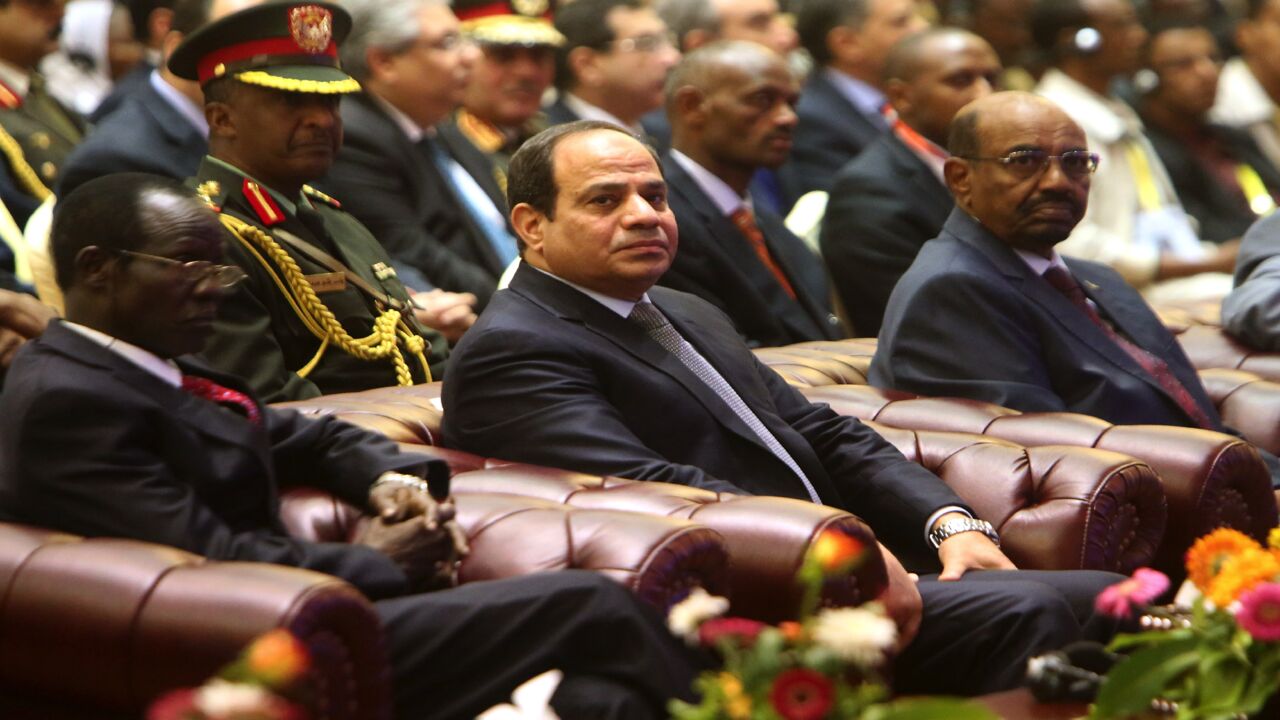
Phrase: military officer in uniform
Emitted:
{"points": [[36, 132], [322, 310], [503, 103]]}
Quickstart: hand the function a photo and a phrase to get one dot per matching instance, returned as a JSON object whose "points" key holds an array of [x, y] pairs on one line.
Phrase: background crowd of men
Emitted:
{"points": [[581, 216]]}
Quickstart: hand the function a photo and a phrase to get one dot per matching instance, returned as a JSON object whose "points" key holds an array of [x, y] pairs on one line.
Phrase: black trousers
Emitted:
{"points": [[977, 633], [458, 652]]}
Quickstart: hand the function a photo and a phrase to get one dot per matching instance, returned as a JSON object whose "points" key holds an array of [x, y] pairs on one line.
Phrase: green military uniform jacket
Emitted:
{"points": [[260, 337], [37, 135]]}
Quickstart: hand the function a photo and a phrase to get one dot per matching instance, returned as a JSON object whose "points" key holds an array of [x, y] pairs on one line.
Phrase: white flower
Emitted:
{"points": [[219, 699], [858, 635], [686, 615]]}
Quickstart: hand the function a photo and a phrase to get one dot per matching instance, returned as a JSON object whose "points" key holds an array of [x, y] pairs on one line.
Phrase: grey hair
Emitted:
{"points": [[383, 24], [684, 16]]}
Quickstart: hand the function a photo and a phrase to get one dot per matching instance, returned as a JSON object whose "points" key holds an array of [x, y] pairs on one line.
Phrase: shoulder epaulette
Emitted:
{"points": [[327, 200], [269, 213], [210, 191]]}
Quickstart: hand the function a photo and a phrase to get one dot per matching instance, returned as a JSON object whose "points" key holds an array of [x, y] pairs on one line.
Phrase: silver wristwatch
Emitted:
{"points": [[955, 526]]}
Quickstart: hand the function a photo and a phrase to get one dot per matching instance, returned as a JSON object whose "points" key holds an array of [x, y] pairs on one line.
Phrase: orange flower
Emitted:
{"points": [[277, 657], [836, 552], [792, 631], [1273, 539], [1207, 556], [1241, 572]]}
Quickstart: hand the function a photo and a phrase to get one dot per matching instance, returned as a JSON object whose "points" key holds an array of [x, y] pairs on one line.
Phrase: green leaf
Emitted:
{"points": [[1135, 681], [930, 709]]}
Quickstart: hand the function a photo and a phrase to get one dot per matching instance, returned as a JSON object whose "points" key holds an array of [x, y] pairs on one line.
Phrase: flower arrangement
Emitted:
{"points": [[267, 682], [826, 664], [1220, 660]]}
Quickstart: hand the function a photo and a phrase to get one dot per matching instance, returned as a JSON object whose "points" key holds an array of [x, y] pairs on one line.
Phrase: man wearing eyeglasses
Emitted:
{"points": [[614, 63], [989, 310]]}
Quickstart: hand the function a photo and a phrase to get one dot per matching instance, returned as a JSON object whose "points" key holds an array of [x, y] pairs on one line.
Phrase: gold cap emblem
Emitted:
{"points": [[311, 27], [530, 8]]}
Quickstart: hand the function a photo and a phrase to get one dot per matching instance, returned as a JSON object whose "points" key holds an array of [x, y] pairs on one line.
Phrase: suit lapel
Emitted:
{"points": [[176, 128], [361, 111], [573, 306], [477, 164], [936, 199], [855, 126], [740, 252]]}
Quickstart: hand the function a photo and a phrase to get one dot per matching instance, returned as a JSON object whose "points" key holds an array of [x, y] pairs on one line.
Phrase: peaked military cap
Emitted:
{"points": [[508, 22], [291, 46]]}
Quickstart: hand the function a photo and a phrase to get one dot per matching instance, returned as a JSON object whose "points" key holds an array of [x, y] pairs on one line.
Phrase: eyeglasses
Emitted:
{"points": [[197, 272], [1030, 163], [645, 43], [445, 43]]}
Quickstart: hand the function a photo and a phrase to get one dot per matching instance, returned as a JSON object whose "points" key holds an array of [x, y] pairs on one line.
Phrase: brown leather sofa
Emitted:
{"points": [[96, 628], [1057, 508], [1210, 479]]}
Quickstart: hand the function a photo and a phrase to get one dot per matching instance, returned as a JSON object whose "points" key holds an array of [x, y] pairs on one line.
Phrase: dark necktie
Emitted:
{"points": [[1063, 282], [213, 392], [649, 317], [746, 222]]}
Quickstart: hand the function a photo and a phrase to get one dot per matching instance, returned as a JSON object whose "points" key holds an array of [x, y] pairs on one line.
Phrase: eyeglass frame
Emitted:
{"points": [[1007, 160], [647, 43], [196, 272]]}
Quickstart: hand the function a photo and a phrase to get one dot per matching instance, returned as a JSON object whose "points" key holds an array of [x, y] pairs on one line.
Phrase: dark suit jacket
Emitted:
{"points": [[1222, 214], [91, 443], [395, 190], [550, 376], [884, 205], [657, 131], [144, 134], [970, 319], [125, 88], [717, 263], [831, 132]]}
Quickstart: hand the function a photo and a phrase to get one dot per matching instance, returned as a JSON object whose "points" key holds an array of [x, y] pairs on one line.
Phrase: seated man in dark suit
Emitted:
{"points": [[990, 311], [1222, 177], [158, 128], [730, 106], [613, 64], [583, 364], [422, 189], [891, 199], [1251, 311], [841, 107], [109, 430]]}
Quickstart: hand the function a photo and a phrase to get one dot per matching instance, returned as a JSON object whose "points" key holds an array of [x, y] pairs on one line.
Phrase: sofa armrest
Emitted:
{"points": [[767, 537], [1212, 348], [1248, 404], [1055, 507], [660, 559], [1210, 479], [99, 627]]}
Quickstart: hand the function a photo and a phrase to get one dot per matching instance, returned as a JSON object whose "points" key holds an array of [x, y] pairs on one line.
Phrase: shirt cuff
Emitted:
{"points": [[928, 525]]}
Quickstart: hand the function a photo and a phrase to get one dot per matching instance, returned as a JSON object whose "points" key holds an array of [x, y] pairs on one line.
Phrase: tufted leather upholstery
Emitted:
{"points": [[1210, 479], [1101, 511], [1212, 347], [661, 559], [95, 628]]}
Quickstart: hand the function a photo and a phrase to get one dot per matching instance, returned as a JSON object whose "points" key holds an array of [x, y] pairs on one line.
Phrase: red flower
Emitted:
{"points": [[740, 630], [174, 705], [801, 694]]}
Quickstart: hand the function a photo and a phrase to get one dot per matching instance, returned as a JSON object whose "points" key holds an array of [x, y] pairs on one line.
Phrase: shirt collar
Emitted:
{"points": [[167, 370], [180, 103], [727, 201], [1040, 264], [290, 206], [15, 78], [930, 153], [867, 98], [622, 307], [411, 129], [587, 111]]}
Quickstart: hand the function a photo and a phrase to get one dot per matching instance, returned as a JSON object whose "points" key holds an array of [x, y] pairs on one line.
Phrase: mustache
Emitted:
{"points": [[1050, 197]]}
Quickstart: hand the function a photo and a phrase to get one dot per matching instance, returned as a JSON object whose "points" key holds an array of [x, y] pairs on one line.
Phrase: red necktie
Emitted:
{"points": [[746, 222], [213, 392], [1063, 282]]}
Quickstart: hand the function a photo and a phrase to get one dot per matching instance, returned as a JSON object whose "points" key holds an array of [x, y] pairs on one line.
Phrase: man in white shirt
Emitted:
{"points": [[1134, 223]]}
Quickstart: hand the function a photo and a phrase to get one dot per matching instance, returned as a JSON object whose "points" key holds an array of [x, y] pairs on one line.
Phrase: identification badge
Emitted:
{"points": [[328, 282]]}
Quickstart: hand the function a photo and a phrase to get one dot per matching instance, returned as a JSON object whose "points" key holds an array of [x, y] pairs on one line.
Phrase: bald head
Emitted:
{"points": [[932, 74], [731, 108], [1021, 167]]}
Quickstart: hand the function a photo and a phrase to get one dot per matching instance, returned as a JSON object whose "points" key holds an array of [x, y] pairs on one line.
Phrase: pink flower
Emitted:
{"points": [[1259, 612], [1118, 600], [802, 694]]}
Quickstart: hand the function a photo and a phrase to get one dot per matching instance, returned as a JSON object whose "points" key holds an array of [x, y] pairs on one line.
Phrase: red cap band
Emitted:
{"points": [[205, 70]]}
